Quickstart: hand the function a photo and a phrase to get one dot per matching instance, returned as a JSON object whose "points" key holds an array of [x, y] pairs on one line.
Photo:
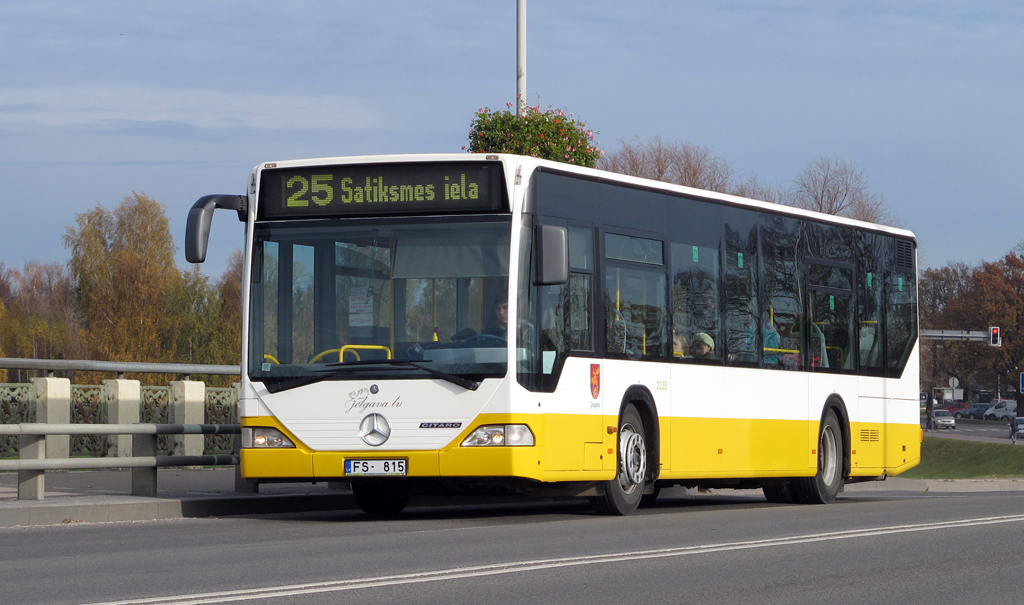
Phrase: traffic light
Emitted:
{"points": [[994, 338]]}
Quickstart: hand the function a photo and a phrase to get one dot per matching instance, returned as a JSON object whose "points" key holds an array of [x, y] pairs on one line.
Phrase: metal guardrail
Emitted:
{"points": [[144, 462], [120, 367]]}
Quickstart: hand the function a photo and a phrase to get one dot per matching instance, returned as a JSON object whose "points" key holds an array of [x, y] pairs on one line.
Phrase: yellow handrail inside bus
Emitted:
{"points": [[321, 355], [271, 358], [773, 350], [354, 349]]}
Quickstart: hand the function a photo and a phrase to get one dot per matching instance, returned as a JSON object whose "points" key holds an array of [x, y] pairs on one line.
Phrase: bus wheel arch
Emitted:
{"points": [[838, 406], [833, 450], [637, 457], [643, 401]]}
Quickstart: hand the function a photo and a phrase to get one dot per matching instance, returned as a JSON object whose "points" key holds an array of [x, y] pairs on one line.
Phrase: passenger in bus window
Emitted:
{"points": [[680, 348], [500, 325], [702, 346]]}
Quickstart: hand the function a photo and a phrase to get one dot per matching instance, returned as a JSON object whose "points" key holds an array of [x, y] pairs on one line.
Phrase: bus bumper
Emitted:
{"points": [[453, 461]]}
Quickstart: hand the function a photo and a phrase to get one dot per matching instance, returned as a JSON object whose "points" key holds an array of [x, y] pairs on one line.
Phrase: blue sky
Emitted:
{"points": [[180, 99]]}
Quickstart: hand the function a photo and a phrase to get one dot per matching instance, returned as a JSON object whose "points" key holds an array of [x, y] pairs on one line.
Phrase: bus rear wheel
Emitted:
{"points": [[375, 501], [623, 493], [824, 486]]}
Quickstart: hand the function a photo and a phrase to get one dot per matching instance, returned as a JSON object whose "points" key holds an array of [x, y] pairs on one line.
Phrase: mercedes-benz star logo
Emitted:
{"points": [[375, 429]]}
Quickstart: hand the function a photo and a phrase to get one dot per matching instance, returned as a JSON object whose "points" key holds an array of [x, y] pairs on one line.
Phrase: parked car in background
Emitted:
{"points": [[943, 419], [955, 406], [1001, 410], [975, 410]]}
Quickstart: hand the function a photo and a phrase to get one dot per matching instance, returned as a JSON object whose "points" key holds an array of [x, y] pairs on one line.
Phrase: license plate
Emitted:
{"points": [[376, 467]]}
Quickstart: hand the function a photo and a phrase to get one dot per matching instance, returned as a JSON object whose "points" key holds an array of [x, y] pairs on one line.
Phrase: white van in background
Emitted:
{"points": [[1003, 409]]}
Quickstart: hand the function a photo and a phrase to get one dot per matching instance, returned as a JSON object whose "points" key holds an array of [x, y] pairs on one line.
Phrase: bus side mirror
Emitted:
{"points": [[552, 255], [200, 217]]}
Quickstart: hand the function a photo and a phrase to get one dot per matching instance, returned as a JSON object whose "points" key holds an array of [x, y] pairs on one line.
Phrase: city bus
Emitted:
{"points": [[499, 324]]}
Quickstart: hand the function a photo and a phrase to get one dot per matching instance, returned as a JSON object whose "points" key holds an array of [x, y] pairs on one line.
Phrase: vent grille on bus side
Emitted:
{"points": [[870, 435], [905, 254]]}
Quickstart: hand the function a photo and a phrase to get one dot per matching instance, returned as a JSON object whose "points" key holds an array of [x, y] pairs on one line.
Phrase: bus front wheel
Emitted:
{"points": [[623, 493]]}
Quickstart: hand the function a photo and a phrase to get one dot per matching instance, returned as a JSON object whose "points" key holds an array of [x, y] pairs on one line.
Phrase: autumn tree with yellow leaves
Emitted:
{"points": [[121, 297], [972, 298], [122, 264]]}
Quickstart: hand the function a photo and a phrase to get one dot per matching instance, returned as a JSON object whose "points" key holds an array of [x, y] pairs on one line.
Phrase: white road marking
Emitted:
{"points": [[540, 564]]}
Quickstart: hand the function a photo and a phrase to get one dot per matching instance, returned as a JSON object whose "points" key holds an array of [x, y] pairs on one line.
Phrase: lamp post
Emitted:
{"points": [[520, 56]]}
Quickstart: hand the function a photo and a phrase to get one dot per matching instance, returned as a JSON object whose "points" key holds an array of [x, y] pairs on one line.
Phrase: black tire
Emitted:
{"points": [[623, 493], [958, 415], [826, 484], [377, 502]]}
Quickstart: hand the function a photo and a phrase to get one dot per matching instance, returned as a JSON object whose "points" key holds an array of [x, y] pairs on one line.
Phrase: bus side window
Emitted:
{"points": [[900, 324], [831, 305], [581, 269], [636, 313], [695, 308], [566, 309], [553, 345], [743, 335], [781, 298], [636, 297], [870, 302]]}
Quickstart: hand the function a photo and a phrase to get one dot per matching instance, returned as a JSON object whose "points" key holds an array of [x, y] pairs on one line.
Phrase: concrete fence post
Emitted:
{"points": [[53, 406], [144, 477], [188, 406], [31, 483], [124, 401]]}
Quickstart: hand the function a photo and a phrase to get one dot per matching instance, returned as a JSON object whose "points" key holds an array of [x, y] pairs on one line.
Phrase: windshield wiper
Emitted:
{"points": [[469, 385], [333, 370]]}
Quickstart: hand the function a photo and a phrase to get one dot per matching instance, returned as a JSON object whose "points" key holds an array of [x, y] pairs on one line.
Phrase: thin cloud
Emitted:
{"points": [[100, 108]]}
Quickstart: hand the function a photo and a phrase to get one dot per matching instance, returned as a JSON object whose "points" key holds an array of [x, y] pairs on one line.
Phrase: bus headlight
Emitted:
{"points": [[500, 434], [259, 436]]}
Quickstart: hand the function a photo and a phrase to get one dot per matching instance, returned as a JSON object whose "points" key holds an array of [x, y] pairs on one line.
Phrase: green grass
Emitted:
{"points": [[956, 459]]}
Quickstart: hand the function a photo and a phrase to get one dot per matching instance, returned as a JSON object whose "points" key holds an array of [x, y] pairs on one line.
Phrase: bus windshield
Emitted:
{"points": [[379, 298]]}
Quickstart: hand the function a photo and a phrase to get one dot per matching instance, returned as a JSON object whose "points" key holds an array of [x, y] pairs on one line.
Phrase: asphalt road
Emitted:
{"points": [[869, 547]]}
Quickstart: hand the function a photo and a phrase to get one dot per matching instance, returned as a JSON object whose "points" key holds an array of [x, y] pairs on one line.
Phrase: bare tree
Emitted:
{"points": [[835, 186], [828, 184], [753, 188], [679, 163]]}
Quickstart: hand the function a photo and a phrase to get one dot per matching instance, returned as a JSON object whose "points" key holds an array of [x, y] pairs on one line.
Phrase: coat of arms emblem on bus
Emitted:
{"points": [[595, 380]]}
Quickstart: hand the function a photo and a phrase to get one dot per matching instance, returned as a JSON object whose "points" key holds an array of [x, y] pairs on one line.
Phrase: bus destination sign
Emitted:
{"points": [[380, 189]]}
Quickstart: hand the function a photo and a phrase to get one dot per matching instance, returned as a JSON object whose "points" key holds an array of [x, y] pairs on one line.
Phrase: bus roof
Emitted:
{"points": [[512, 162]]}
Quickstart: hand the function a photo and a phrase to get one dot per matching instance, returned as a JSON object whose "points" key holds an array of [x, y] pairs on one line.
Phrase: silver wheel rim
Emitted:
{"points": [[632, 459], [829, 456]]}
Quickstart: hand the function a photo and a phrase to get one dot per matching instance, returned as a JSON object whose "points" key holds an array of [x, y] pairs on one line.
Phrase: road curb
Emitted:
{"points": [[108, 509]]}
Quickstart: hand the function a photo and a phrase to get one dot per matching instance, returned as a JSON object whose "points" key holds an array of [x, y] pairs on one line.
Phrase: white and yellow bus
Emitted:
{"points": [[455, 323]]}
